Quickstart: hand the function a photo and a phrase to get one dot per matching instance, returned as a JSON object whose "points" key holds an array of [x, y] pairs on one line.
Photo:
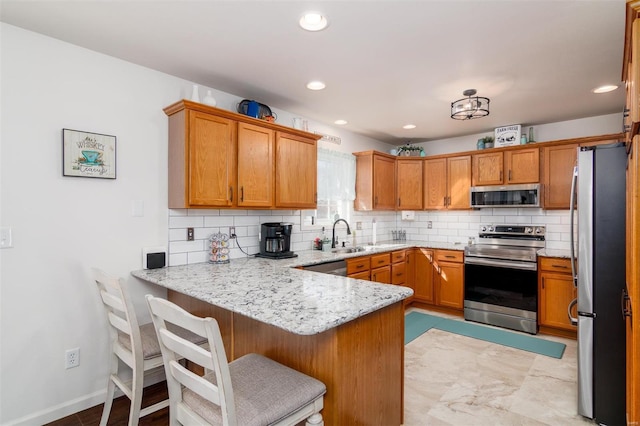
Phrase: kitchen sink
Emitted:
{"points": [[369, 247], [347, 249]]}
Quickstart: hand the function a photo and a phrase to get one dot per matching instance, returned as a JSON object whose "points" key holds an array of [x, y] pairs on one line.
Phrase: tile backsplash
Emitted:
{"points": [[446, 226]]}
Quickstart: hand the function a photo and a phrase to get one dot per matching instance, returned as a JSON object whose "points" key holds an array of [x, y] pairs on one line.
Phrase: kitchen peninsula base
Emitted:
{"points": [[361, 362]]}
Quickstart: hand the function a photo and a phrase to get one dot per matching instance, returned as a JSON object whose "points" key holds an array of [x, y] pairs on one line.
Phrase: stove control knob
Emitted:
{"points": [[528, 230], [491, 229], [538, 230], [483, 228]]}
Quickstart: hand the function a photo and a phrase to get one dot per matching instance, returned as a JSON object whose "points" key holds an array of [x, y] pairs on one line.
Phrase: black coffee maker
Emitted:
{"points": [[275, 240]]}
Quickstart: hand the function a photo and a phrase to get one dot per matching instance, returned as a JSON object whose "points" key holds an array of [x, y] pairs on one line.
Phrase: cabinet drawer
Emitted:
{"points": [[449, 256], [398, 256], [380, 260], [358, 264], [556, 264], [398, 273], [364, 275]]}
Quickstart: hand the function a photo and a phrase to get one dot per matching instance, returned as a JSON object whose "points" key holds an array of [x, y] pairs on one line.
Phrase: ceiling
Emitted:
{"points": [[385, 63]]}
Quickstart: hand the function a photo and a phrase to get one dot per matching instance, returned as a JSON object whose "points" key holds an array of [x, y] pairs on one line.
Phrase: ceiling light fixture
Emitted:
{"points": [[313, 21], [409, 126], [316, 85], [470, 107], [340, 122], [605, 89]]}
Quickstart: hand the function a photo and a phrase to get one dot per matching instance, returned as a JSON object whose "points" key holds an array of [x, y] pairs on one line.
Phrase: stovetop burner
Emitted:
{"points": [[513, 242]]}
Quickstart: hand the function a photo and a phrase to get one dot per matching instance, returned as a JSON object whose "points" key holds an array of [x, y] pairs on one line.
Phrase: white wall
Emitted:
{"points": [[62, 226]]}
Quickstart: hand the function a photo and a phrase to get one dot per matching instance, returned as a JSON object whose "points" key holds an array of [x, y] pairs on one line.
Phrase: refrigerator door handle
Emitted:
{"points": [[572, 205], [574, 320], [625, 302]]}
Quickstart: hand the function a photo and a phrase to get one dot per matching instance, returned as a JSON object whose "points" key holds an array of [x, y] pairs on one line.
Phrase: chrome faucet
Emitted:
{"points": [[333, 234]]}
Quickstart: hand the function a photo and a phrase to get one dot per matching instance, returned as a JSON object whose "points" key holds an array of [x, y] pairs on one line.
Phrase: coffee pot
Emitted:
{"points": [[275, 240]]}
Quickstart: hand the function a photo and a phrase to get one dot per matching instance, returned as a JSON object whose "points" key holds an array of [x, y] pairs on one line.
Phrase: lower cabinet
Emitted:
{"points": [[555, 293], [386, 268], [439, 278]]}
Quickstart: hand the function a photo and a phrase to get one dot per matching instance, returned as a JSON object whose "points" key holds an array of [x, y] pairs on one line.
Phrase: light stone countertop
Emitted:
{"points": [[276, 293], [555, 253]]}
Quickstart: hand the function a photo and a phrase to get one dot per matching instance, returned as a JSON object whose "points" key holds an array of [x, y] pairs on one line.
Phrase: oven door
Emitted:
{"points": [[501, 283]]}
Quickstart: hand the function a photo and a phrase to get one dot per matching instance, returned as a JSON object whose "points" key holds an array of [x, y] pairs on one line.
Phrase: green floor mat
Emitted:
{"points": [[417, 323]]}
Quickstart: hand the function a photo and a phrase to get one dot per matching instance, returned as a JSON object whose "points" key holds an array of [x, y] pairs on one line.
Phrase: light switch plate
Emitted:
{"points": [[5, 237]]}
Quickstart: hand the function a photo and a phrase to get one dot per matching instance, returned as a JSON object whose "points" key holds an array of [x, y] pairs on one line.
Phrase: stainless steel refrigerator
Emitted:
{"points": [[600, 281]]}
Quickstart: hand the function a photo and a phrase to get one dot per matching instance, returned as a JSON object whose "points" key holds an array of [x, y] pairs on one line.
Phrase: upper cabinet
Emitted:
{"points": [[220, 159], [447, 182], [375, 181], [558, 164], [514, 166], [409, 183]]}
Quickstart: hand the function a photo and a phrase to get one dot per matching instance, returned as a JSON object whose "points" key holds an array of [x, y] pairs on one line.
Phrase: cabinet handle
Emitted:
{"points": [[375, 203], [316, 198], [509, 175], [450, 256], [560, 266], [500, 175], [380, 261], [399, 202], [231, 193], [242, 193]]}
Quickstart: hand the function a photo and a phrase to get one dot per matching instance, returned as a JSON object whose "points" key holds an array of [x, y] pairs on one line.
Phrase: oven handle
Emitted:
{"points": [[527, 266]]}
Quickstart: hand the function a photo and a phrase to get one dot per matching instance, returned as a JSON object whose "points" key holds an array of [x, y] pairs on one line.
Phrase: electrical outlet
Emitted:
{"points": [[429, 225], [232, 232], [72, 358], [189, 234], [358, 226], [5, 237]]}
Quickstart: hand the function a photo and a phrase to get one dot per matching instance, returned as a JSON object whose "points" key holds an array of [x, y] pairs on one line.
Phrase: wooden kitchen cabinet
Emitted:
{"points": [[558, 164], [221, 159], [358, 265], [507, 167], [296, 172], [202, 160], [449, 279], [555, 293], [255, 166], [447, 183], [399, 267], [375, 181], [381, 268], [409, 182], [424, 271]]}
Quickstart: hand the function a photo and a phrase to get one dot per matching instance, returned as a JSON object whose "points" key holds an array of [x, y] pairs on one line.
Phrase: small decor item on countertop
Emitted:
{"points": [[209, 99], [195, 93], [508, 135], [219, 248], [523, 139], [531, 139], [488, 142], [480, 143]]}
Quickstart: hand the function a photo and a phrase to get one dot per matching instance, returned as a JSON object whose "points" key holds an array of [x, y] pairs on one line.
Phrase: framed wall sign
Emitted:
{"points": [[86, 154], [507, 135]]}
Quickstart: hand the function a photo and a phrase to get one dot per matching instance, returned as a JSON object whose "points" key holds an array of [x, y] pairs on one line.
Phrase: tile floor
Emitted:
{"points": [[456, 380]]}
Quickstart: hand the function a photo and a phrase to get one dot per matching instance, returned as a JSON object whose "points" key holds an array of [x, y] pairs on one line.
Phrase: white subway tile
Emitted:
{"points": [[197, 257], [177, 259], [186, 246], [186, 221], [178, 234], [178, 212], [219, 221], [204, 212], [247, 220]]}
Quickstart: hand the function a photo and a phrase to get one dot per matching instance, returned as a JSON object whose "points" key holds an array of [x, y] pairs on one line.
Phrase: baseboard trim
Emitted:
{"points": [[79, 404]]}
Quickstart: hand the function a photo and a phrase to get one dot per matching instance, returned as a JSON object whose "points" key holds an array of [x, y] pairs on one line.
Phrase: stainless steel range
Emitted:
{"points": [[501, 276]]}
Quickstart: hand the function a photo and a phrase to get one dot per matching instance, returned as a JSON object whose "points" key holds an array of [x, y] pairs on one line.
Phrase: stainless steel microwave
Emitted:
{"points": [[506, 196]]}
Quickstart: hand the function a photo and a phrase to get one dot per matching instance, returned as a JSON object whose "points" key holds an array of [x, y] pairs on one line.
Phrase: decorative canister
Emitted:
{"points": [[480, 144]]}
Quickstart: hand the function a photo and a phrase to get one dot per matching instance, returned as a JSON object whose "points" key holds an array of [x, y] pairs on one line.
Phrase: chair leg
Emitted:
{"points": [[314, 420], [111, 388], [136, 396]]}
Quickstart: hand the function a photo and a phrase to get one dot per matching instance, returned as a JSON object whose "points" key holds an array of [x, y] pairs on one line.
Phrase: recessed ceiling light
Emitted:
{"points": [[605, 89], [340, 122], [313, 21], [409, 126], [315, 85]]}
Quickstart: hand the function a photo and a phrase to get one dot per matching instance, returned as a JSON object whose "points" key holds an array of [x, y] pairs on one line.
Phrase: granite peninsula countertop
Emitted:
{"points": [[277, 293]]}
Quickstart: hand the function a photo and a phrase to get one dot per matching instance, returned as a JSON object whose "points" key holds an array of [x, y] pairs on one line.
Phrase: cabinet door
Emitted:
{"points": [[423, 279], [409, 184], [558, 163], [211, 160], [360, 275], [398, 273], [487, 169], [384, 183], [523, 166], [410, 273], [296, 172], [556, 292], [450, 285], [381, 275], [459, 182], [435, 184], [255, 166]]}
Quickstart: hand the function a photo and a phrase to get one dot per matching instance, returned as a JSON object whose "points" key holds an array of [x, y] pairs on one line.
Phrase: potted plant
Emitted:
{"points": [[488, 141], [409, 150]]}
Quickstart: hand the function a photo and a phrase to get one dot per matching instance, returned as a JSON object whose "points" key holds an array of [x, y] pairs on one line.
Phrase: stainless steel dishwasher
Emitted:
{"points": [[334, 267]]}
